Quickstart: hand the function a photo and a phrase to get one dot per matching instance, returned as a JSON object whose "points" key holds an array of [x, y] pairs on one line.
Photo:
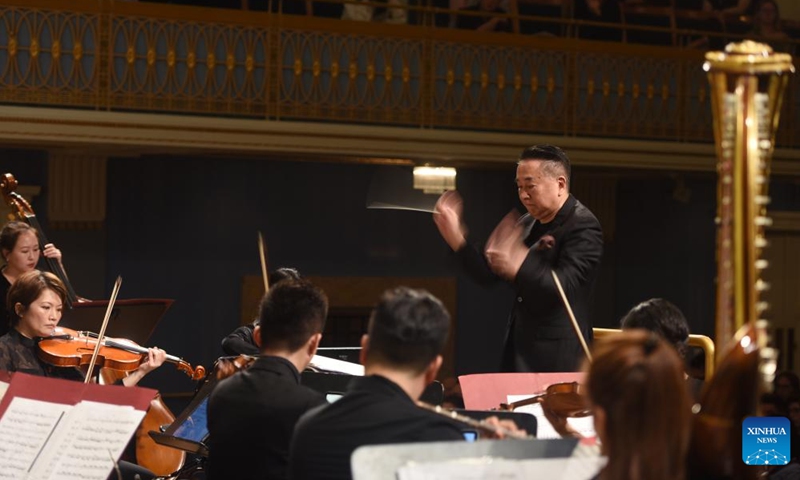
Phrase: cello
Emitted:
{"points": [[23, 211]]}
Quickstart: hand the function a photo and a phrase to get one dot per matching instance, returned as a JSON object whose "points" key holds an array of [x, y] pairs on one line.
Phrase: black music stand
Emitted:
{"points": [[132, 319]]}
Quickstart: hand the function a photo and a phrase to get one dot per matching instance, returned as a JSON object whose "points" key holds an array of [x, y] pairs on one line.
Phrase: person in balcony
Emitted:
{"points": [[604, 11], [734, 7], [395, 11], [483, 17], [767, 26]]}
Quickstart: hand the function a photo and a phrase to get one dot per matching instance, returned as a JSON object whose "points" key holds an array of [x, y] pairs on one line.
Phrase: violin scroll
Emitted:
{"points": [[197, 373]]}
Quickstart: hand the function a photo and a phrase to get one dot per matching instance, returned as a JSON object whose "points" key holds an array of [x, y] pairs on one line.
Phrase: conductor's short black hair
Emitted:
{"points": [[556, 161]]}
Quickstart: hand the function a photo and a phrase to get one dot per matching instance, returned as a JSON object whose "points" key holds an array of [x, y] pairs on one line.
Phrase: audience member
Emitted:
{"points": [[767, 26], [786, 385], [604, 11], [485, 19], [395, 11]]}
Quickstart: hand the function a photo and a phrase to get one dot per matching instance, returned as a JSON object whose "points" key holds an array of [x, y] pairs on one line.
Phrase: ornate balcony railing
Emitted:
{"points": [[159, 58]]}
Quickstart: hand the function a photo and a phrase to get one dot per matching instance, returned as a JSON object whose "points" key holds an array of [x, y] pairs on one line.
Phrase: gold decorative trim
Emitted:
{"points": [[156, 133]]}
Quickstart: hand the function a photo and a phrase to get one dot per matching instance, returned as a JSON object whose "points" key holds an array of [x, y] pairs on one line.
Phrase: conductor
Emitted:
{"points": [[557, 233]]}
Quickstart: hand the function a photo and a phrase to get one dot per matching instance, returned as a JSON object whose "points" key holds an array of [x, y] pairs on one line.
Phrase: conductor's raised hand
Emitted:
{"points": [[505, 249], [447, 217]]}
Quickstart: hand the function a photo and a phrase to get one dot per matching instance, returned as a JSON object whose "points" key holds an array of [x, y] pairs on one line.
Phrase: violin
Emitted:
{"points": [[69, 348], [23, 211], [559, 402]]}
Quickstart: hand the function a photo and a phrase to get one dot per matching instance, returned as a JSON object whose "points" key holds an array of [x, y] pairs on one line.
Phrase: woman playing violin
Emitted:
{"points": [[19, 245], [35, 303]]}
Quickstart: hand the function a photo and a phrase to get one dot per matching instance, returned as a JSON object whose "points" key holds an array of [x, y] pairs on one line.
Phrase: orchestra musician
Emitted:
{"points": [[36, 301], [668, 322], [241, 341], [252, 414], [641, 407], [401, 354], [19, 245], [557, 233]]}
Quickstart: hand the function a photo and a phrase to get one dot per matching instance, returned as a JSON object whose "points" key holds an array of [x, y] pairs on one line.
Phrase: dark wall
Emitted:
{"points": [[666, 246], [85, 268], [185, 228]]}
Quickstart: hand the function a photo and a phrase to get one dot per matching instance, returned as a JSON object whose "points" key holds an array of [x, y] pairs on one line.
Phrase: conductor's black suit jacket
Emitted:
{"points": [[539, 335]]}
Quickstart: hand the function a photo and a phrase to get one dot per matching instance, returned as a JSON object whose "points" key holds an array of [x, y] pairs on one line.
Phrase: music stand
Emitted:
{"points": [[190, 429], [134, 319]]}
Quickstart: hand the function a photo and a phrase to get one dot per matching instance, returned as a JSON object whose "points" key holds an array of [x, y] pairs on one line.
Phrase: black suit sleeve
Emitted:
{"points": [[476, 266], [575, 258], [240, 341]]}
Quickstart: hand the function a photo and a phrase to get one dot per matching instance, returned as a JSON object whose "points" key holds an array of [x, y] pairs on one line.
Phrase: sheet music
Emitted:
{"points": [[582, 468], [544, 429], [24, 429], [91, 439], [3, 388], [335, 365]]}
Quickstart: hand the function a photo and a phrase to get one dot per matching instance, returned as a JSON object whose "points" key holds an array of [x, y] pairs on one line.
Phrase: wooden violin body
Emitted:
{"points": [[68, 348], [559, 402]]}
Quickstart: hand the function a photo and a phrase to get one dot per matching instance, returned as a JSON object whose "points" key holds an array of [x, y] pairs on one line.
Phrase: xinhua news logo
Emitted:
{"points": [[766, 441]]}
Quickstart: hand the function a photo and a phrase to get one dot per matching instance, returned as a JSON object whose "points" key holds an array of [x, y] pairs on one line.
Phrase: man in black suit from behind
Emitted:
{"points": [[251, 415], [401, 354]]}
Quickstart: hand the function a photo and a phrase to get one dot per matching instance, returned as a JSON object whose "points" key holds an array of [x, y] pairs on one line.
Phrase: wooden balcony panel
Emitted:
{"points": [[116, 57]]}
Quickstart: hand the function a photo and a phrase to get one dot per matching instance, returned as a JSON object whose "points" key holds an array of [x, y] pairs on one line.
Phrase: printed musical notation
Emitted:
{"points": [[24, 429], [45, 441]]}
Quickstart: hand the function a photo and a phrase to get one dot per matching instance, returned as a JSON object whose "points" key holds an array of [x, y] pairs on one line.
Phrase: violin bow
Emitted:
{"points": [[571, 316], [262, 249], [102, 333]]}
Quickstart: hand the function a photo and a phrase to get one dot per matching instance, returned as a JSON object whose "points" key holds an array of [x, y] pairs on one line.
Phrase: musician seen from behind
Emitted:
{"points": [[667, 321], [19, 245], [401, 353], [35, 302], [241, 341], [251, 415], [557, 233], [641, 407]]}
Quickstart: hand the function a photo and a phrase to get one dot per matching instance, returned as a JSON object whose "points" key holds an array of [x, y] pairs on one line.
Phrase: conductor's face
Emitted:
{"points": [[541, 190]]}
